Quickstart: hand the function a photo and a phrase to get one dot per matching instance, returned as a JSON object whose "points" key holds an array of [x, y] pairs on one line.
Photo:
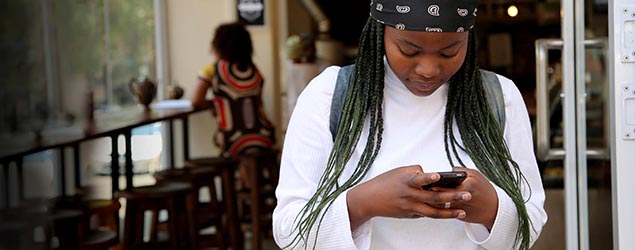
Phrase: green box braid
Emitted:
{"points": [[365, 98], [467, 107]]}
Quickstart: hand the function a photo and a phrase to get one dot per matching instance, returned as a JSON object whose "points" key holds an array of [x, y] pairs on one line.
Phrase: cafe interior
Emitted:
{"points": [[102, 149]]}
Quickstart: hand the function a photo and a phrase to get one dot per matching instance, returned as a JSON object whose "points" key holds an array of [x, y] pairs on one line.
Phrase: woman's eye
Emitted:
{"points": [[408, 53], [449, 56], [450, 53]]}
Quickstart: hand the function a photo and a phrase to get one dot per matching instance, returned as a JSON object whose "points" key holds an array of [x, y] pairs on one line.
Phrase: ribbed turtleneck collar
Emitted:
{"points": [[393, 83]]}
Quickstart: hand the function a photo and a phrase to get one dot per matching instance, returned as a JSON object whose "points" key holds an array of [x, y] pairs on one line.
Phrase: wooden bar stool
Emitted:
{"points": [[216, 212], [37, 224], [174, 197], [100, 229], [224, 168], [18, 232], [262, 173], [14, 235]]}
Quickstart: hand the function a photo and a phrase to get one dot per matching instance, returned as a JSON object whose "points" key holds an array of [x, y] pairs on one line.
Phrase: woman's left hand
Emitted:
{"points": [[482, 206]]}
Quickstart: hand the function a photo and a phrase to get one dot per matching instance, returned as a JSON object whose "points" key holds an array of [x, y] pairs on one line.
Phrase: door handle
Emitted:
{"points": [[544, 110]]}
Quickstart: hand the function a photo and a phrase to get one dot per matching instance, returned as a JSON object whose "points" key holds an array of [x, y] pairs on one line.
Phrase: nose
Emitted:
{"points": [[428, 68]]}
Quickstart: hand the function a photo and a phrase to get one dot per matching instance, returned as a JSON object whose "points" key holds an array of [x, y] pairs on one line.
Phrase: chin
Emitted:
{"points": [[421, 93]]}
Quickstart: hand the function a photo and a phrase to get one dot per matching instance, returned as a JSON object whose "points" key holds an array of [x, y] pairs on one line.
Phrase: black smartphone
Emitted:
{"points": [[448, 180]]}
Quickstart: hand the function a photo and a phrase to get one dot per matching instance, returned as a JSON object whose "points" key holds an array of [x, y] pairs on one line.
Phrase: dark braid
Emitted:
{"points": [[364, 99], [483, 141]]}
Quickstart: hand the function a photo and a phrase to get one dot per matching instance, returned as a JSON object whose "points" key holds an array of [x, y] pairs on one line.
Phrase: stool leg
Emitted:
{"points": [[154, 224], [192, 232], [111, 222], [172, 225], [255, 204], [129, 227], [138, 227], [222, 233], [229, 199]]}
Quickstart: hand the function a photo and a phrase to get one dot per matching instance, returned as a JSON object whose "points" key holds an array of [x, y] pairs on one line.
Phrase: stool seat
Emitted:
{"points": [[188, 173], [156, 191], [99, 206], [207, 213], [99, 239], [210, 162]]}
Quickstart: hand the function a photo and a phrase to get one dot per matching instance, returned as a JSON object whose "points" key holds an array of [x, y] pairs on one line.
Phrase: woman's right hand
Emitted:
{"points": [[398, 194]]}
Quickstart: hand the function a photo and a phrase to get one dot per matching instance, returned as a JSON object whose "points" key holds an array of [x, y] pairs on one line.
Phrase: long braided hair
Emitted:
{"points": [[468, 109], [483, 139]]}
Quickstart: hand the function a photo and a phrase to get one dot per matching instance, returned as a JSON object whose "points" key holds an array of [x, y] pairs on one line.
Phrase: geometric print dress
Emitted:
{"points": [[242, 123]]}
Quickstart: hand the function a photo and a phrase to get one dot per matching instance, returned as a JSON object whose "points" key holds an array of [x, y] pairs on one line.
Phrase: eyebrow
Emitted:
{"points": [[418, 47]]}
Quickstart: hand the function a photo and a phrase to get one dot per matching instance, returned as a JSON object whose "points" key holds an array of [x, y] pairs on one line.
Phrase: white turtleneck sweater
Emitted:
{"points": [[413, 134]]}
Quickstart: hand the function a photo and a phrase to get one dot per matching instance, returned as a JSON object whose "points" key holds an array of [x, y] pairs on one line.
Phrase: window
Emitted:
{"points": [[102, 45], [54, 52], [22, 73]]}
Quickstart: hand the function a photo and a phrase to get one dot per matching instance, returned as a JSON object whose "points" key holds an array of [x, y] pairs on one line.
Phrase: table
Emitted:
{"points": [[107, 124]]}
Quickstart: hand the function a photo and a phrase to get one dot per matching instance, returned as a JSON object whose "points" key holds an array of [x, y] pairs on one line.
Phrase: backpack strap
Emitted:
{"points": [[491, 84], [494, 93], [339, 97]]}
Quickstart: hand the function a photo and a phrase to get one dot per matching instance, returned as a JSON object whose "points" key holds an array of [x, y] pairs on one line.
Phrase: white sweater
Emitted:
{"points": [[413, 134]]}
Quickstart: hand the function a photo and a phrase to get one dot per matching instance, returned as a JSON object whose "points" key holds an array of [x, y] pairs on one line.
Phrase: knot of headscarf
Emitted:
{"points": [[426, 15]]}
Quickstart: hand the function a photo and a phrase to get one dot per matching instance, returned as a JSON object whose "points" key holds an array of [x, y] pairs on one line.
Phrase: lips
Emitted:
{"points": [[423, 86]]}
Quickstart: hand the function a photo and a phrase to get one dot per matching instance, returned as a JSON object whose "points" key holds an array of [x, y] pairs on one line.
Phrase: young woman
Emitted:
{"points": [[237, 87], [417, 106]]}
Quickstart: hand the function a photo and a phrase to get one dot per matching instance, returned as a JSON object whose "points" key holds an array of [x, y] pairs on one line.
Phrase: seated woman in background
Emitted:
{"points": [[236, 85]]}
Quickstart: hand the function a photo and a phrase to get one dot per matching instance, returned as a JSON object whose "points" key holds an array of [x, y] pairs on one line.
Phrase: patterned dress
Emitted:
{"points": [[242, 123]]}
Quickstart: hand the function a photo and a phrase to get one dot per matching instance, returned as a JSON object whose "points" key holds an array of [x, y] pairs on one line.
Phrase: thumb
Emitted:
{"points": [[421, 179]]}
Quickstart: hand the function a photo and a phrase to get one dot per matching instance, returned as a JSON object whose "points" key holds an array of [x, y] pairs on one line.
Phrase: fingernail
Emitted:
{"points": [[466, 196], [461, 215], [435, 177]]}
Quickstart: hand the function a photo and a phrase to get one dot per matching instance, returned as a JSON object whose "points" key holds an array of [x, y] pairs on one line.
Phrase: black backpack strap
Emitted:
{"points": [[339, 97], [495, 98]]}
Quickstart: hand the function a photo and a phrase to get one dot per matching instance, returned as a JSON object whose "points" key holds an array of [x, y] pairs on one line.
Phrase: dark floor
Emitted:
{"points": [[101, 187]]}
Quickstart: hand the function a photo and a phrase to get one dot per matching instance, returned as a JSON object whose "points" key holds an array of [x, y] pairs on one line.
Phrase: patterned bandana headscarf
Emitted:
{"points": [[426, 15]]}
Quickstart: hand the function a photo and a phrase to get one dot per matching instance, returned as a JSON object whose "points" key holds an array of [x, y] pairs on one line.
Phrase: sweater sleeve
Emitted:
{"points": [[518, 136], [206, 73], [307, 146]]}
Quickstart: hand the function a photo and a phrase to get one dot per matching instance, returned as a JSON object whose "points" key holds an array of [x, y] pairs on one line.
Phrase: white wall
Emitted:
{"points": [[191, 24]]}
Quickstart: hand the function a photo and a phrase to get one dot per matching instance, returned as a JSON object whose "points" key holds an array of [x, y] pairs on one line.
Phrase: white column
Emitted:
{"points": [[162, 62], [621, 14]]}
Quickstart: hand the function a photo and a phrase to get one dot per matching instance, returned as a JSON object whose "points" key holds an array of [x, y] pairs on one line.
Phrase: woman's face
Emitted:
{"points": [[424, 61]]}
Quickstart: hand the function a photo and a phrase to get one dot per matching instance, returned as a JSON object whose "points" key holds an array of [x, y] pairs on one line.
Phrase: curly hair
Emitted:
{"points": [[232, 43]]}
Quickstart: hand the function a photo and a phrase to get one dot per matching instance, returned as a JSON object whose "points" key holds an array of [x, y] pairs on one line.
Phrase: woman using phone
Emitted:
{"points": [[416, 106]]}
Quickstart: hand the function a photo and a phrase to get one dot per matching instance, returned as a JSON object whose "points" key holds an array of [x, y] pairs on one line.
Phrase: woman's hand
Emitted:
{"points": [[482, 204], [398, 194]]}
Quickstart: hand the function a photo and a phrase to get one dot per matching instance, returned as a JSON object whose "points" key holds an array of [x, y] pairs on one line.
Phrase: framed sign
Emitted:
{"points": [[251, 12]]}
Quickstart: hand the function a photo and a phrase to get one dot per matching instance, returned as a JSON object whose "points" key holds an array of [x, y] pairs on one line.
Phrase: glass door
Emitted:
{"points": [[572, 128], [556, 53]]}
